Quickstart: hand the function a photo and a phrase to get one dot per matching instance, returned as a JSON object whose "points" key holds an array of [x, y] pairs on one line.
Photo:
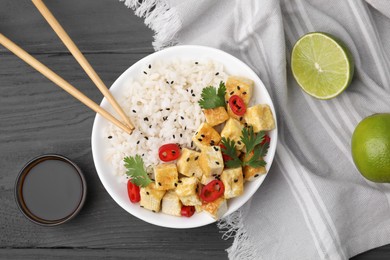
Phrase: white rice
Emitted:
{"points": [[175, 85]]}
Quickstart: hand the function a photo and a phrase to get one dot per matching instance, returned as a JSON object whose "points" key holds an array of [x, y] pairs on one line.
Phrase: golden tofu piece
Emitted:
{"points": [[187, 190], [251, 173], [239, 86], [215, 116], [217, 208], [206, 136], [233, 131], [171, 204], [211, 161], [198, 208], [188, 163], [260, 117], [151, 197], [233, 181], [166, 176]]}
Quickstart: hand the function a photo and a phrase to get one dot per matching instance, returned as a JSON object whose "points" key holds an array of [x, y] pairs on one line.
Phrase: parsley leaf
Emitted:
{"points": [[229, 148], [257, 160], [212, 98], [250, 139], [136, 171]]}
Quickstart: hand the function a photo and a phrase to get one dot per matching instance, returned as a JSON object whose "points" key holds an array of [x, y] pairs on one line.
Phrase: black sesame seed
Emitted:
{"points": [[196, 158], [109, 137], [212, 142], [150, 126], [200, 140], [244, 93], [196, 63], [193, 95], [173, 136], [145, 72], [174, 120], [196, 133], [146, 138], [153, 179], [179, 181], [167, 82], [216, 162], [154, 211], [238, 87], [256, 175], [216, 74], [146, 119], [188, 159], [182, 118], [143, 154], [137, 142], [215, 148], [240, 118], [134, 111], [202, 136], [147, 193], [181, 135], [168, 108], [193, 174], [214, 175], [160, 109], [192, 143], [192, 91], [231, 93], [239, 142], [141, 206], [165, 118], [159, 184], [150, 66], [185, 128], [175, 184], [235, 180], [172, 82]]}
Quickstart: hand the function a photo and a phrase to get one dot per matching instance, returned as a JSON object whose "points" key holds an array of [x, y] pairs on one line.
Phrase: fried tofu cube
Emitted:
{"points": [[166, 176], [233, 131], [250, 173], [260, 117], [239, 86], [171, 204], [233, 181], [187, 190], [198, 208], [188, 163], [215, 116], [151, 197], [206, 136], [217, 208], [211, 161]]}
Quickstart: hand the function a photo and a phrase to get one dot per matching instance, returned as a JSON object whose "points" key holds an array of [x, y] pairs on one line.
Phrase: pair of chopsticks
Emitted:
{"points": [[127, 126]]}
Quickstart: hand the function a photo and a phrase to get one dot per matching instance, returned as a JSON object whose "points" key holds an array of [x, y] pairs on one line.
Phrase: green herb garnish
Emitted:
{"points": [[229, 148], [212, 97], [136, 171], [255, 149]]}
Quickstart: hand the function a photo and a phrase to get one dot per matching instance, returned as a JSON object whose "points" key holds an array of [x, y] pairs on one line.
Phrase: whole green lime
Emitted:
{"points": [[371, 147]]}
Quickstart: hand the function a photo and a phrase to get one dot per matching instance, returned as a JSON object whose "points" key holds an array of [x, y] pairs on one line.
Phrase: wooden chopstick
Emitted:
{"points": [[60, 81], [55, 25]]}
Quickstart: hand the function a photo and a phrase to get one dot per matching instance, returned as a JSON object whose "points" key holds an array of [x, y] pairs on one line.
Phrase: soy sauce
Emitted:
{"points": [[51, 189]]}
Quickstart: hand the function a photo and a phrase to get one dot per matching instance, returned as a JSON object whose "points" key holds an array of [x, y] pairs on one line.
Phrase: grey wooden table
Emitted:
{"points": [[37, 117]]}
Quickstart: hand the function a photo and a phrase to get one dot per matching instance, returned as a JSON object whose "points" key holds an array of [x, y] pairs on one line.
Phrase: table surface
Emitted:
{"points": [[37, 117]]}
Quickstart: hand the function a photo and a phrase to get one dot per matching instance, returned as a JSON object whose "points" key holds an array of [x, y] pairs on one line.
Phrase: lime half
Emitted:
{"points": [[322, 65]]}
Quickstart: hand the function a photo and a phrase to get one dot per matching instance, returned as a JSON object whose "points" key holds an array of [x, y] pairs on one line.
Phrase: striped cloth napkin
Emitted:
{"points": [[314, 204]]}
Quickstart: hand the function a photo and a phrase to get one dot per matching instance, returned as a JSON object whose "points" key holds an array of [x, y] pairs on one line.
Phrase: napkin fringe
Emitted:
{"points": [[233, 226], [159, 17]]}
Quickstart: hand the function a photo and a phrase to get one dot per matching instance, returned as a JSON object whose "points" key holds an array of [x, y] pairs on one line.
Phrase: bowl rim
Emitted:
{"points": [[19, 184], [152, 56]]}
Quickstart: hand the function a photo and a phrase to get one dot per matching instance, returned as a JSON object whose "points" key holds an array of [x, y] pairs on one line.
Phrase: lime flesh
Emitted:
{"points": [[322, 65]]}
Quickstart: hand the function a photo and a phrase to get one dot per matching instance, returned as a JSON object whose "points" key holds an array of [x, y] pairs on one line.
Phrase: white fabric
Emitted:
{"points": [[313, 204]]}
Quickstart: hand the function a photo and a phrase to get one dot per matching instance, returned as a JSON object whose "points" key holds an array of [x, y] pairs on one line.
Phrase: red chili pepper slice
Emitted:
{"points": [[212, 191], [133, 191], [237, 105], [169, 152], [187, 211], [266, 139], [225, 156]]}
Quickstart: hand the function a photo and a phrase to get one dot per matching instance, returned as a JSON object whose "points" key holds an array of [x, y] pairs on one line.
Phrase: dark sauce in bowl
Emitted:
{"points": [[50, 190]]}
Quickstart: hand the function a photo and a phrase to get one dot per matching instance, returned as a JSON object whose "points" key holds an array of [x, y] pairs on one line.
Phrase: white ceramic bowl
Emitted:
{"points": [[118, 191]]}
